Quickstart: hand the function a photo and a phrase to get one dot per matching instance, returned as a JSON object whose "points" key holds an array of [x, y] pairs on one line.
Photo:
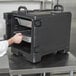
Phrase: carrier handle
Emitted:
{"points": [[58, 8], [22, 7]]}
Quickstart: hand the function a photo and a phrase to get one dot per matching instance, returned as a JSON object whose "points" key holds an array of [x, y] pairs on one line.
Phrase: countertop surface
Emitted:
{"points": [[4, 64], [49, 61]]}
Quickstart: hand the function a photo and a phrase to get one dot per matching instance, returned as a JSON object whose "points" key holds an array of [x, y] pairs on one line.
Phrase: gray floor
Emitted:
{"points": [[39, 75], [4, 74]]}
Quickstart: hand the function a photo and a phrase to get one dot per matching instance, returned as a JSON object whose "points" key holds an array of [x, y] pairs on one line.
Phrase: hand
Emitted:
{"points": [[16, 39]]}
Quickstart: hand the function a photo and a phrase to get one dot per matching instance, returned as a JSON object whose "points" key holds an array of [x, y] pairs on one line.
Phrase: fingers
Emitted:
{"points": [[19, 33], [17, 38]]}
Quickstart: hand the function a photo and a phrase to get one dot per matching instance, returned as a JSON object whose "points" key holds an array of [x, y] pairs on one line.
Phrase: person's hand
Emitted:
{"points": [[15, 39]]}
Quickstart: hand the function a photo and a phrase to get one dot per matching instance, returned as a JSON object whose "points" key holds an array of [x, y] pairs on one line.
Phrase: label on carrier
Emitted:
{"points": [[25, 22], [27, 39]]}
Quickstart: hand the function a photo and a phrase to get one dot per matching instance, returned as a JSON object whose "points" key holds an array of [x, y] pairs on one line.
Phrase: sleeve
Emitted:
{"points": [[3, 47]]}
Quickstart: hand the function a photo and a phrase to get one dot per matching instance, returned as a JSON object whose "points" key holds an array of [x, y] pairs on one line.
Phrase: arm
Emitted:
{"points": [[4, 44], [15, 39], [3, 47]]}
